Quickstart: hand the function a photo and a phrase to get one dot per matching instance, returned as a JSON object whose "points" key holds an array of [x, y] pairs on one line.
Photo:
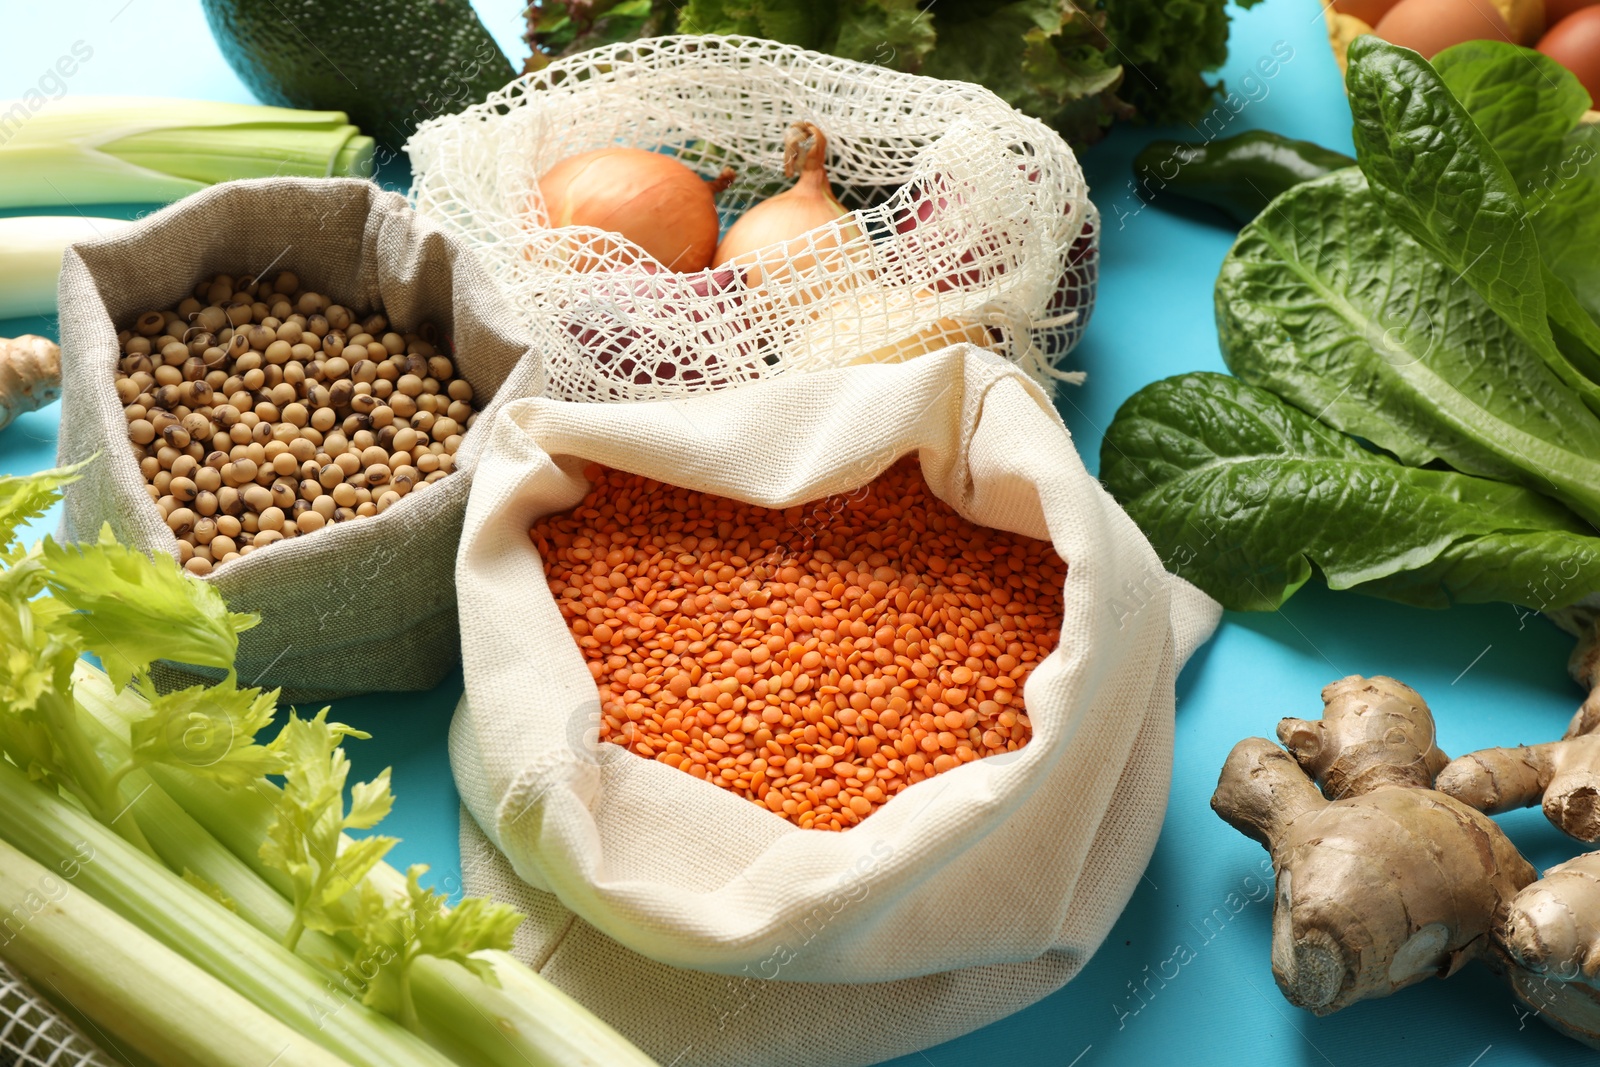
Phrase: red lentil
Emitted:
{"points": [[817, 659]]}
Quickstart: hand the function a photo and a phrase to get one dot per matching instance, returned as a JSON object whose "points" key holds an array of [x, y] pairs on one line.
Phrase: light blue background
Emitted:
{"points": [[1492, 675]]}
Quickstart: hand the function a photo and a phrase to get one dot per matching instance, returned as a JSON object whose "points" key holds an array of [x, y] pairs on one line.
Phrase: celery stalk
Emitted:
{"points": [[198, 928], [524, 1017], [132, 987], [184, 845], [30, 258], [216, 833], [127, 149], [527, 1020]]}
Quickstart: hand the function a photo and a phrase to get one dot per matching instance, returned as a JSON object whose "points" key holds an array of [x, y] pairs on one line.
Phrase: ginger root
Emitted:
{"points": [[30, 375], [1373, 732], [1382, 881], [1552, 939], [1563, 776]]}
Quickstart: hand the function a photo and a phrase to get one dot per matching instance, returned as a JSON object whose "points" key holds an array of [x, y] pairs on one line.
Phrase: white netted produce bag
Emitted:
{"points": [[34, 1034], [969, 221]]}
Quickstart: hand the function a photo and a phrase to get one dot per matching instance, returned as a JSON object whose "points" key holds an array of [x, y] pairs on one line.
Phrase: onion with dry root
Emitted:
{"points": [[784, 237], [651, 199]]}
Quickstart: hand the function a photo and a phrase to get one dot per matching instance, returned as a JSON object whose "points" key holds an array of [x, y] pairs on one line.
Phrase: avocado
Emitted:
{"points": [[388, 64]]}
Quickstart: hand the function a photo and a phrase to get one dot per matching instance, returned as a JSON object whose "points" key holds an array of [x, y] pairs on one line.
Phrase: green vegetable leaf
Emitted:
{"points": [[801, 22], [1167, 47], [1043, 57], [1364, 328], [135, 609], [1438, 178], [37, 653], [892, 33], [1244, 495], [889, 33], [394, 933], [304, 840], [210, 731], [1524, 102], [26, 497], [1565, 205]]}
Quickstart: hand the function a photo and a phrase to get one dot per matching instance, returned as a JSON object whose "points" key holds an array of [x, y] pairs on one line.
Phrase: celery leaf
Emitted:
{"points": [[304, 840], [210, 731], [27, 497], [394, 932], [135, 609]]}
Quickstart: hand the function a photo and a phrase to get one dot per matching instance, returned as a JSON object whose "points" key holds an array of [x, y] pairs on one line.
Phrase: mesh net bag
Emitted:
{"points": [[968, 221], [34, 1034]]}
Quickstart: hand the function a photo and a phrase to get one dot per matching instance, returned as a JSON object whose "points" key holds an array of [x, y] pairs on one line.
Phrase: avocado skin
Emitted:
{"points": [[388, 64]]}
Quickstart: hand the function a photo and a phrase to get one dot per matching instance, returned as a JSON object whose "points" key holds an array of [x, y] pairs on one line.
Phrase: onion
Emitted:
{"points": [[650, 199], [775, 236]]}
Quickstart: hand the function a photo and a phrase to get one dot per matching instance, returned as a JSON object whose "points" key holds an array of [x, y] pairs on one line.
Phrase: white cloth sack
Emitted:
{"points": [[1010, 869]]}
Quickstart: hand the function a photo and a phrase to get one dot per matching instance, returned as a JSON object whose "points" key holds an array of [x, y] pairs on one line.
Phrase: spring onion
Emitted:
{"points": [[98, 150]]}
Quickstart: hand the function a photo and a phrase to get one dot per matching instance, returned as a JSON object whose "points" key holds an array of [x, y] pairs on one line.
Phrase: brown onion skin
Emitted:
{"points": [[651, 199]]}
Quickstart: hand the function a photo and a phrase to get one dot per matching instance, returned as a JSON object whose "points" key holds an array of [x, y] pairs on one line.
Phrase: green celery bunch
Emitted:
{"points": [[179, 853]]}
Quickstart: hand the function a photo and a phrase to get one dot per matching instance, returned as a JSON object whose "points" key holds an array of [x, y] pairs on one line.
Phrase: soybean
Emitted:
{"points": [[248, 416]]}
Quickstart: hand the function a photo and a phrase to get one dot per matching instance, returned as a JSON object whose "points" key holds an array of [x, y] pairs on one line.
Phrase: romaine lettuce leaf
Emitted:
{"points": [[1438, 178], [1364, 328], [1245, 496], [1524, 102]]}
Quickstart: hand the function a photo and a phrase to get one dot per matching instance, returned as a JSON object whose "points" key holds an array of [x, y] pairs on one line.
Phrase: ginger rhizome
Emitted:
{"points": [[1551, 939], [30, 375], [1382, 881], [1562, 776]]}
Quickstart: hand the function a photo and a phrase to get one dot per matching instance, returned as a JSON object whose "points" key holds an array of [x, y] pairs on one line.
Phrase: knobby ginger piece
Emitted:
{"points": [[30, 375], [1382, 881]]}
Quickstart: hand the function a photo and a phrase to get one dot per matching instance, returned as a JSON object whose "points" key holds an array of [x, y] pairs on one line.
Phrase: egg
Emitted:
{"points": [[1556, 10], [1430, 26], [1368, 11], [1574, 42]]}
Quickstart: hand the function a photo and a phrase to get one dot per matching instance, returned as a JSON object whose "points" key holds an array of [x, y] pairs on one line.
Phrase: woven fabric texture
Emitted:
{"points": [[359, 606], [700, 923]]}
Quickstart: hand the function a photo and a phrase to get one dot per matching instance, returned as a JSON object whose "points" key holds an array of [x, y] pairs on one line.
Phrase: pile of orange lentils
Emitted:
{"points": [[817, 659]]}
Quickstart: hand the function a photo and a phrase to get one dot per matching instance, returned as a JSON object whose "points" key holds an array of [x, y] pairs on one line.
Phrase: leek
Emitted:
{"points": [[30, 258], [146, 998], [97, 150]]}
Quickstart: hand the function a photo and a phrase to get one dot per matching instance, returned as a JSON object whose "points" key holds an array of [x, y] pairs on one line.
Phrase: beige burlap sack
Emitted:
{"points": [[1008, 870], [361, 605]]}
